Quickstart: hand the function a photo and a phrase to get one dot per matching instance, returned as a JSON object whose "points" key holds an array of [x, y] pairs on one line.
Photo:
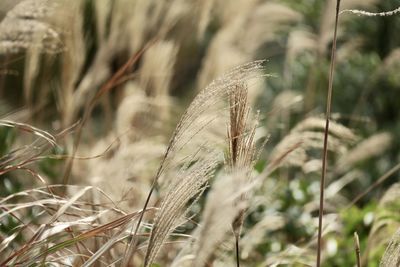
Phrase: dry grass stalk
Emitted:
{"points": [[385, 224], [391, 258], [335, 129], [323, 41], [380, 180], [30, 129], [299, 41], [226, 202], [357, 249], [61, 228], [291, 256], [242, 152], [73, 57], [141, 121], [232, 45], [241, 135], [370, 147], [371, 14], [285, 102], [256, 235], [328, 18], [205, 8], [218, 90], [189, 126], [26, 26], [140, 116], [23, 157], [91, 103], [326, 135], [131, 29], [157, 68], [223, 205], [188, 184], [306, 136]]}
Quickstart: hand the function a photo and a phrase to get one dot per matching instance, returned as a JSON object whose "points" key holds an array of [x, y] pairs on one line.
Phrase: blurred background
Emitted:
{"points": [[110, 80]]}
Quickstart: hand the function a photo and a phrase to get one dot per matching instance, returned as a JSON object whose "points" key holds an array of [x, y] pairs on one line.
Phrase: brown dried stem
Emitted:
{"points": [[357, 249], [325, 150]]}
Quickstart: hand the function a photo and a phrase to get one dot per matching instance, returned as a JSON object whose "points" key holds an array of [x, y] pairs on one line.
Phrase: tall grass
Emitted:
{"points": [[325, 149], [145, 147]]}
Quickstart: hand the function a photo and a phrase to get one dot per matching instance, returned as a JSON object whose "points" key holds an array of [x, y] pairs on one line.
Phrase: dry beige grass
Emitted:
{"points": [[131, 154], [232, 45], [292, 149], [392, 253], [370, 147], [384, 226], [25, 26], [223, 206], [189, 183]]}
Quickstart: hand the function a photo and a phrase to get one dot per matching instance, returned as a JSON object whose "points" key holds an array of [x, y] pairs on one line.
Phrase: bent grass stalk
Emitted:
{"points": [[218, 88]]}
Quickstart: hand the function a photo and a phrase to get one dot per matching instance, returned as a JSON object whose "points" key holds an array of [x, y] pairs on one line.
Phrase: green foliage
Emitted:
{"points": [[7, 138], [51, 166]]}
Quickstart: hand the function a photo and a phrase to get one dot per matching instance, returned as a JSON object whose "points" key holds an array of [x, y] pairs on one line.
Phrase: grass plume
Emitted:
{"points": [[188, 184], [191, 124], [392, 252], [242, 152]]}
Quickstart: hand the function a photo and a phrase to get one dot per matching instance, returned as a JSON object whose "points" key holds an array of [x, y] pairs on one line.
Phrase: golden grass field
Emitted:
{"points": [[199, 133]]}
